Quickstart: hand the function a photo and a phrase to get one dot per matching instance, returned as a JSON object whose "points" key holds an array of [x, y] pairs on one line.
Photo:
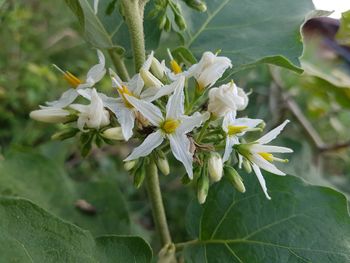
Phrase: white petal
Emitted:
{"points": [[147, 109], [269, 149], [180, 146], [229, 119], [135, 85], [261, 180], [147, 64], [126, 119], [96, 72], [175, 105], [96, 6], [240, 161], [265, 165], [271, 135], [66, 98], [167, 89], [151, 142], [188, 123], [230, 141], [149, 93], [79, 107], [250, 123], [116, 81]]}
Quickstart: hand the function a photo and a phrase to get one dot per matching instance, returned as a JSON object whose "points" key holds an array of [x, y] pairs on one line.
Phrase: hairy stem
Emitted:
{"points": [[155, 197], [133, 13], [119, 64]]}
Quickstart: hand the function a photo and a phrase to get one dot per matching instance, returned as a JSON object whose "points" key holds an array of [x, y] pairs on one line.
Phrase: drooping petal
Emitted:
{"points": [[149, 144], [230, 142], [66, 98], [271, 135], [270, 149], [175, 105], [180, 146], [147, 109], [261, 180], [126, 119], [188, 123], [265, 165]]}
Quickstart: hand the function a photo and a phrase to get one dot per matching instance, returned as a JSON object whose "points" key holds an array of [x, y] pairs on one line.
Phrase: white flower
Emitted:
{"points": [[94, 75], [215, 166], [209, 69], [235, 128], [173, 126], [96, 6], [50, 115], [226, 98], [260, 155], [93, 115]]}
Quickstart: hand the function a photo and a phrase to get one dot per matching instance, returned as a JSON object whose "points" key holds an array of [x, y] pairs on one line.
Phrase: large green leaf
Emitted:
{"points": [[41, 180], [250, 32], [30, 234], [302, 223]]}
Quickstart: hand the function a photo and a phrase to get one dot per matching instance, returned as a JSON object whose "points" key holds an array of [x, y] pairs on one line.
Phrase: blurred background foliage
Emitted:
{"points": [[35, 34]]}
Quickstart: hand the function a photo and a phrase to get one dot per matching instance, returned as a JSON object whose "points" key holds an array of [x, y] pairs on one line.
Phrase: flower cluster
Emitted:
{"points": [[173, 109]]}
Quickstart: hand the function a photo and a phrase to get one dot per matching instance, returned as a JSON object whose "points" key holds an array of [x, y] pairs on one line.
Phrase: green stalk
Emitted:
{"points": [[119, 65], [155, 197]]}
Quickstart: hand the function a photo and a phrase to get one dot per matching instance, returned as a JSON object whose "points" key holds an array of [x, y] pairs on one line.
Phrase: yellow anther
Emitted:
{"points": [[267, 156], [175, 66], [170, 125], [233, 130], [71, 79], [123, 90]]}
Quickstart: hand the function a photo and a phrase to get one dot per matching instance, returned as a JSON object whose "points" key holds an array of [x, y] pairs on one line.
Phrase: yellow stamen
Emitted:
{"points": [[125, 91], [267, 156], [170, 125], [175, 67], [233, 130], [71, 79]]}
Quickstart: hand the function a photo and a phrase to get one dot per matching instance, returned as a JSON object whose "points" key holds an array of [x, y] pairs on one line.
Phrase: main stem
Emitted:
{"points": [[155, 197], [133, 13], [119, 65]]}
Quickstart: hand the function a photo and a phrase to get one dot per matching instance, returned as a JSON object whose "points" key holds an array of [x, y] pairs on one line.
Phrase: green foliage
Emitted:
{"points": [[343, 34], [43, 181], [30, 234], [302, 223]]}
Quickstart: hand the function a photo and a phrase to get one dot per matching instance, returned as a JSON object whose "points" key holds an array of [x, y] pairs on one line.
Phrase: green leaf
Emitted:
{"points": [[302, 223], [250, 32], [30, 234], [343, 34], [41, 180]]}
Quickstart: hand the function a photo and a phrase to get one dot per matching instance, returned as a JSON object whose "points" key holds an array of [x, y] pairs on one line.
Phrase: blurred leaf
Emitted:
{"points": [[343, 34], [250, 32], [302, 223], [41, 180], [30, 234]]}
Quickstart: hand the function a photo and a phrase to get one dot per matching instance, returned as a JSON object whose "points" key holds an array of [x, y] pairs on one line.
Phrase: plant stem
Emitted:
{"points": [[155, 196], [133, 13], [181, 246], [203, 130], [119, 65]]}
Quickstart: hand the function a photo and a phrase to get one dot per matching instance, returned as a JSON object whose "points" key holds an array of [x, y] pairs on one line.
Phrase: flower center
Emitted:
{"points": [[71, 79], [270, 158], [233, 130], [123, 90], [175, 67], [170, 125]]}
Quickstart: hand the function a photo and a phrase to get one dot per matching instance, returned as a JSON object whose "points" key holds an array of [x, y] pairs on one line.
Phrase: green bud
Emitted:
{"points": [[202, 188], [234, 178], [167, 26], [163, 165], [215, 166], [139, 177], [197, 5], [162, 22], [65, 134], [114, 133], [246, 165], [180, 21], [129, 165]]}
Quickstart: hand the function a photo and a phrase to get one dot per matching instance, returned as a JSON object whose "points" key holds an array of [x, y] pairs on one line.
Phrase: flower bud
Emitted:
{"points": [[65, 134], [114, 133], [150, 80], [247, 167], [139, 177], [129, 165], [197, 5], [180, 21], [157, 68], [50, 115], [202, 188], [163, 165], [234, 178], [215, 166]]}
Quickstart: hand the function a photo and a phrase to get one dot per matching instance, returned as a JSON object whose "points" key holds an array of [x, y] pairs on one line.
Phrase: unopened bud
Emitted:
{"points": [[180, 21], [167, 26], [163, 165], [197, 5], [247, 167], [139, 177], [149, 79], [162, 22], [50, 115], [234, 178], [215, 166], [65, 134], [114, 133], [129, 165], [261, 125], [202, 188], [157, 68]]}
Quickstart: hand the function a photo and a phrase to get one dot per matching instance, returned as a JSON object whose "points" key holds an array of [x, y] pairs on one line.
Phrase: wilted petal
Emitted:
{"points": [[147, 109], [175, 105], [261, 180], [230, 142], [180, 146], [149, 144], [66, 98], [270, 149], [271, 135], [188, 123], [265, 165]]}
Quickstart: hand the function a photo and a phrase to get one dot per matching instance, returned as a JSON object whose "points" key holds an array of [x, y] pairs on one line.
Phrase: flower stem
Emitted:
{"points": [[155, 196], [203, 130], [133, 13], [119, 64]]}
